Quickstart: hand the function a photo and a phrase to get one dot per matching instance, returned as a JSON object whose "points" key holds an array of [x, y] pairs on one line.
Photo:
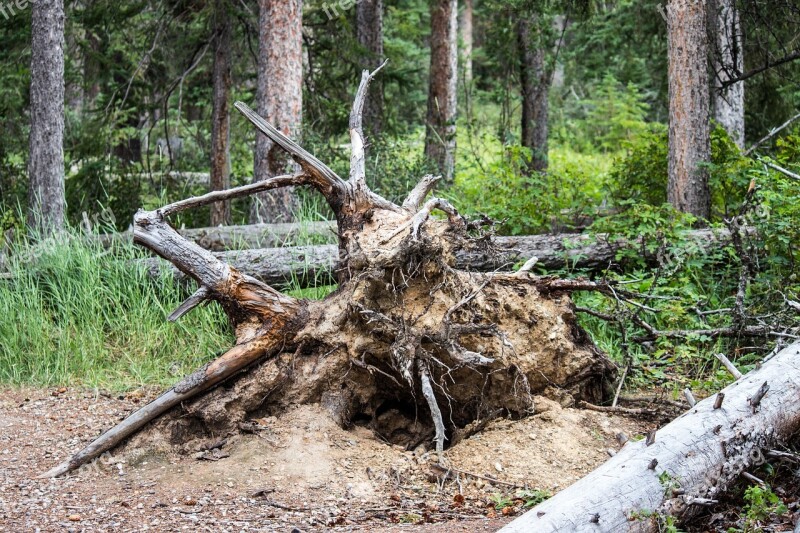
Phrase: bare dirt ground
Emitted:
{"points": [[299, 472]]}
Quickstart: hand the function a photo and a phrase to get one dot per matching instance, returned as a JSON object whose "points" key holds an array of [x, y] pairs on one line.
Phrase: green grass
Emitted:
{"points": [[74, 313]]}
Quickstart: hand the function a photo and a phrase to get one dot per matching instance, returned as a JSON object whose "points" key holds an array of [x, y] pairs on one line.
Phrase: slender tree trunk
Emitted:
{"points": [[221, 114], [91, 69], [46, 202], [73, 70], [440, 138], [534, 87], [728, 62], [280, 101], [465, 28], [369, 30], [689, 143]]}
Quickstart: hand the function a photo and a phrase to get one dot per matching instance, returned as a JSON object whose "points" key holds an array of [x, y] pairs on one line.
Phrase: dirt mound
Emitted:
{"points": [[300, 469]]}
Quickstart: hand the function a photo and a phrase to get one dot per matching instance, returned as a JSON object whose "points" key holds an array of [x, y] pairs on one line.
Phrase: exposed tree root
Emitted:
{"points": [[406, 333]]}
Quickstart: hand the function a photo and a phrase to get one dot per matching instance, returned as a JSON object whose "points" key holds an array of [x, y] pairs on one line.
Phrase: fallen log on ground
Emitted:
{"points": [[316, 264], [692, 461], [251, 236], [408, 342]]}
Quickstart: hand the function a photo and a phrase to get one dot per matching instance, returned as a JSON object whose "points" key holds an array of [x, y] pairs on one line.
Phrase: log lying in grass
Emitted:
{"points": [[301, 265], [313, 264], [251, 236], [692, 461]]}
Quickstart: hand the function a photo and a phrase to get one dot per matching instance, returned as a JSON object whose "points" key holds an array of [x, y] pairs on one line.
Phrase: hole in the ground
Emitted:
{"points": [[401, 423]]}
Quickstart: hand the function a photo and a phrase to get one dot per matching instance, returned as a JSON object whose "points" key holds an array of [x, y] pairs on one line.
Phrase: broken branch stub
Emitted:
{"points": [[406, 332]]}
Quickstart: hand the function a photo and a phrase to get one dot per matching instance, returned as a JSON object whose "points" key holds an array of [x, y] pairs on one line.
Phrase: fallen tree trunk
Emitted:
{"points": [[307, 265], [692, 461], [251, 236], [406, 333]]}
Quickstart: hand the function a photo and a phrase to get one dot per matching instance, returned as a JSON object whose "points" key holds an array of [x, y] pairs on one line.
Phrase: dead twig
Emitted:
{"points": [[619, 410]]}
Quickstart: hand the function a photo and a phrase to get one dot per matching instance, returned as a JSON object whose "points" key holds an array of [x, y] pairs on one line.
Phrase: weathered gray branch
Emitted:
{"points": [[251, 236], [357, 139]]}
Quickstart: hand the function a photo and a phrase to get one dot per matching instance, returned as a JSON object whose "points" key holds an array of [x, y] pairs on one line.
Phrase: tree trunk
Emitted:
{"points": [[465, 28], [440, 136], [221, 114], [689, 141], [405, 327], [534, 87], [74, 92], [728, 63], [369, 31], [315, 265], [691, 463], [46, 202], [279, 96]]}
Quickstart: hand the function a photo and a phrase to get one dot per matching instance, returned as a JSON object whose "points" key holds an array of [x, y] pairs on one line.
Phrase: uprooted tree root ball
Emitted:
{"points": [[406, 335]]}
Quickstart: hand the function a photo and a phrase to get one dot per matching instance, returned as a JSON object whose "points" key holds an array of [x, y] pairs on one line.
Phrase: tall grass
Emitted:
{"points": [[72, 312]]}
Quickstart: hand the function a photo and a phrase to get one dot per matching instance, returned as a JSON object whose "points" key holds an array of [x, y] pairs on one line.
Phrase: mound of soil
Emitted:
{"points": [[300, 470]]}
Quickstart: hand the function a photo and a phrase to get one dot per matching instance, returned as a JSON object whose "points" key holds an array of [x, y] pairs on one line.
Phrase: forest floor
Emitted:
{"points": [[297, 472]]}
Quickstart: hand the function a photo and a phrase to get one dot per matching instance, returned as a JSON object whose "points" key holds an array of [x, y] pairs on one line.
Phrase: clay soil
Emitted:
{"points": [[299, 472]]}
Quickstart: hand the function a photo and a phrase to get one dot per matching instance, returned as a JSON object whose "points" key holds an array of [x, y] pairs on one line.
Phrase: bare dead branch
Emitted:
{"points": [[758, 70], [785, 172], [225, 366], [728, 365], [323, 178], [287, 180], [771, 134], [434, 203], [193, 301], [417, 195], [436, 413], [357, 138], [619, 410]]}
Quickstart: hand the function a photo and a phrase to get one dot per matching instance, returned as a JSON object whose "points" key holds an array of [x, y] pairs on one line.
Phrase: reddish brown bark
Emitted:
{"points": [[279, 96], [689, 141], [440, 137], [221, 114], [369, 31]]}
